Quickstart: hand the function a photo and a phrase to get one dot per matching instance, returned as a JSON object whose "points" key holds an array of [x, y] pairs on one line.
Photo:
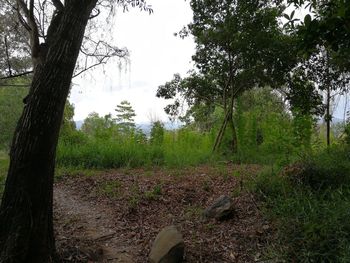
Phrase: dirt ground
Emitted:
{"points": [[114, 216]]}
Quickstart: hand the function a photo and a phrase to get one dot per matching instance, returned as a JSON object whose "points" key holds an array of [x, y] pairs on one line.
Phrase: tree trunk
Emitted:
{"points": [[328, 116], [221, 133], [26, 227], [228, 120], [231, 124]]}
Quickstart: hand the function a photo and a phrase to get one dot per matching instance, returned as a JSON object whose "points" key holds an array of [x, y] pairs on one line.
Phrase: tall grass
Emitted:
{"points": [[179, 148], [309, 206]]}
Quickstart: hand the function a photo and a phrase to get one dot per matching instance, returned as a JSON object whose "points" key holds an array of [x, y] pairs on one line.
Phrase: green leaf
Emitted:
{"points": [[307, 20], [292, 14], [286, 16]]}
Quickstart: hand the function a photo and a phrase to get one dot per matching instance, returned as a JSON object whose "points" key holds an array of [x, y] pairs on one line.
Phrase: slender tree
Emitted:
{"points": [[239, 45], [329, 78]]}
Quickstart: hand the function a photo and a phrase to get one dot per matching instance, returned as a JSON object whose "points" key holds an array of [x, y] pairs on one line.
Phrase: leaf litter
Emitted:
{"points": [[114, 216]]}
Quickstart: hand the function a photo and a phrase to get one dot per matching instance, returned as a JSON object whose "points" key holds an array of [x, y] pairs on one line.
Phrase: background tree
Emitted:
{"points": [[26, 228], [157, 133], [14, 45], [239, 45], [125, 116], [329, 26], [68, 124], [11, 107], [99, 127], [305, 104], [330, 79], [324, 39]]}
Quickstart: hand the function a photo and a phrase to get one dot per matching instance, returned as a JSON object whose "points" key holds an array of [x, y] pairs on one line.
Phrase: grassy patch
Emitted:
{"points": [[4, 163], [178, 149], [311, 214], [155, 193], [61, 172], [112, 189], [193, 212]]}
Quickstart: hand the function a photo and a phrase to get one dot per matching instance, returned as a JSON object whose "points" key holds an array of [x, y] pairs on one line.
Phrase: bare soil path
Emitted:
{"points": [[114, 216]]}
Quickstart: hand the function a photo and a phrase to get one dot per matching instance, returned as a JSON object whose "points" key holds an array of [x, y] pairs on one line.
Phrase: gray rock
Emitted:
{"points": [[222, 208], [168, 247]]}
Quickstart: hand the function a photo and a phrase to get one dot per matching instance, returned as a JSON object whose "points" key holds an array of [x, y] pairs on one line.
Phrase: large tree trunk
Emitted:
{"points": [[26, 227]]}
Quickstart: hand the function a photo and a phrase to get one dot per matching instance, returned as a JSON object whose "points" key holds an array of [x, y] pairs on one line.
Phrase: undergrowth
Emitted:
{"points": [[309, 206], [178, 149], [4, 162]]}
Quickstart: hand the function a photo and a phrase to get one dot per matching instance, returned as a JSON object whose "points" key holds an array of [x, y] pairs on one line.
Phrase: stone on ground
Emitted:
{"points": [[168, 246], [222, 208]]}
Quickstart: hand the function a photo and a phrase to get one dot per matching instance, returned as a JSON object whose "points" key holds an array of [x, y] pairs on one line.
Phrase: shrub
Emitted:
{"points": [[309, 205], [329, 169]]}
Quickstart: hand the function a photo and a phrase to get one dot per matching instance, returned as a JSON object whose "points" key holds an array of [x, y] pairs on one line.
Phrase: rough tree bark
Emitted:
{"points": [[26, 228]]}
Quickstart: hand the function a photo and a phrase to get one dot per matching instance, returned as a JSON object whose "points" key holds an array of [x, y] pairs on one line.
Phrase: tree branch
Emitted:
{"points": [[21, 19], [90, 67], [58, 5], [34, 33], [17, 75], [95, 15]]}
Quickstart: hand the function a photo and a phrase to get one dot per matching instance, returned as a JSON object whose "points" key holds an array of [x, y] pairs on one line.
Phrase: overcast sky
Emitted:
{"points": [[155, 55]]}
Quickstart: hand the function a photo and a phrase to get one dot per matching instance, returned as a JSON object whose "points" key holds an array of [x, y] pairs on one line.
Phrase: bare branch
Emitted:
{"points": [[17, 75], [90, 67], [21, 19], [34, 34], [31, 9], [95, 15]]}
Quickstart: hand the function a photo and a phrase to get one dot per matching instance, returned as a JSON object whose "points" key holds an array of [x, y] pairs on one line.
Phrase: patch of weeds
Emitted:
{"points": [[148, 173], [126, 170], [236, 192], [236, 174], [193, 212], [209, 226], [155, 193], [61, 172], [70, 221], [134, 198], [239, 188], [111, 189], [223, 172], [177, 173], [309, 208], [133, 202], [206, 185]]}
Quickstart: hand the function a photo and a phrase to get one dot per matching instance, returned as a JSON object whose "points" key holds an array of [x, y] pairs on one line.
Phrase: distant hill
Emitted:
{"points": [[78, 124], [144, 126]]}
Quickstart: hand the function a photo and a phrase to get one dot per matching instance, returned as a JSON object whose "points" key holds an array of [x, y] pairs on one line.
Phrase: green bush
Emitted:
{"points": [[329, 169]]}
